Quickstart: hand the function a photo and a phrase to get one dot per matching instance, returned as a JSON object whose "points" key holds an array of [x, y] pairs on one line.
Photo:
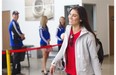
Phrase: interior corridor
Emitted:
{"points": [[35, 67]]}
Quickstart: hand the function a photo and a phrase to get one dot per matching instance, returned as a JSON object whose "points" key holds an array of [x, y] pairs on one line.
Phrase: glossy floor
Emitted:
{"points": [[35, 68]]}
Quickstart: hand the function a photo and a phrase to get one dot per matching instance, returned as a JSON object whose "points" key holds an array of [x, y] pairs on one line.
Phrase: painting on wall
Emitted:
{"points": [[34, 9], [66, 10]]}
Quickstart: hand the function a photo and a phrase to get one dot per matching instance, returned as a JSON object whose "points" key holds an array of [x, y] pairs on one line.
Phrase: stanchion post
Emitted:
{"points": [[8, 62]]}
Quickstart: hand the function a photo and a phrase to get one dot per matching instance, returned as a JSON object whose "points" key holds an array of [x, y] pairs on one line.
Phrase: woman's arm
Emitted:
{"points": [[63, 47], [41, 36], [93, 55], [62, 50], [60, 53], [58, 57], [58, 35]]}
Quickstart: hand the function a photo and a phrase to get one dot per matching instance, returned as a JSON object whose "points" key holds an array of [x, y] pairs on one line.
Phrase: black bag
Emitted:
{"points": [[100, 51]]}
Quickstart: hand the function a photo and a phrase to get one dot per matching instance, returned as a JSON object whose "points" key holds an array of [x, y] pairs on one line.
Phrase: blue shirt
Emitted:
{"points": [[60, 30], [44, 35], [15, 32]]}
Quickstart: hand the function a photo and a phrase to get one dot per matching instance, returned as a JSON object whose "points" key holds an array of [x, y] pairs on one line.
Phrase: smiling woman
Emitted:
{"points": [[79, 46]]}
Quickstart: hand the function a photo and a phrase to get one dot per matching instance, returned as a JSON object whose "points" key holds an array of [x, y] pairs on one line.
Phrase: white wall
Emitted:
{"points": [[30, 28], [102, 20]]}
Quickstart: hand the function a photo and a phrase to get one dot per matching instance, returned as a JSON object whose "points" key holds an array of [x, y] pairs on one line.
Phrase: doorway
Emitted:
{"points": [[5, 34], [111, 29]]}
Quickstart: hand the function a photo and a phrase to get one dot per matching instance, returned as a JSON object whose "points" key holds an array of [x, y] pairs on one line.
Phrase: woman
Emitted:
{"points": [[44, 40], [59, 35], [79, 46]]}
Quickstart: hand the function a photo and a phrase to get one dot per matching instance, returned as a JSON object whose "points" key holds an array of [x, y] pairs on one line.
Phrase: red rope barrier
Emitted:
{"points": [[29, 49]]}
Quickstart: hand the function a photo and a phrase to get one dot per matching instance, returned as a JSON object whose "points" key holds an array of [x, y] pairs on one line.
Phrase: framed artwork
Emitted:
{"points": [[34, 9]]}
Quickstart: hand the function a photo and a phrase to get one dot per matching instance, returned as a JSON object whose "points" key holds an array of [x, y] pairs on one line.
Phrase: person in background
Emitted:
{"points": [[44, 41], [59, 35], [16, 38], [79, 46]]}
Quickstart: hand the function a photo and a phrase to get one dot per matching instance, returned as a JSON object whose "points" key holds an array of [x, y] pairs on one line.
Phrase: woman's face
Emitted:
{"points": [[62, 21], [74, 17]]}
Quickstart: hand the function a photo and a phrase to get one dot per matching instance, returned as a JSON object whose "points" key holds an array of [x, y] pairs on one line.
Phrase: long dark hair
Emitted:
{"points": [[83, 17]]}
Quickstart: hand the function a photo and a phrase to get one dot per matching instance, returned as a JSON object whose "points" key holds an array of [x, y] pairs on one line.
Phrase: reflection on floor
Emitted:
{"points": [[35, 68]]}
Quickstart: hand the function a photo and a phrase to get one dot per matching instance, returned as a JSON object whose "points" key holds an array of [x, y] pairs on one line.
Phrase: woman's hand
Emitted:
{"points": [[52, 69], [48, 41]]}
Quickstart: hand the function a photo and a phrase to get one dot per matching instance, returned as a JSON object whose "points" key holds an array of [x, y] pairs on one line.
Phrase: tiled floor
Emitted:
{"points": [[35, 68]]}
